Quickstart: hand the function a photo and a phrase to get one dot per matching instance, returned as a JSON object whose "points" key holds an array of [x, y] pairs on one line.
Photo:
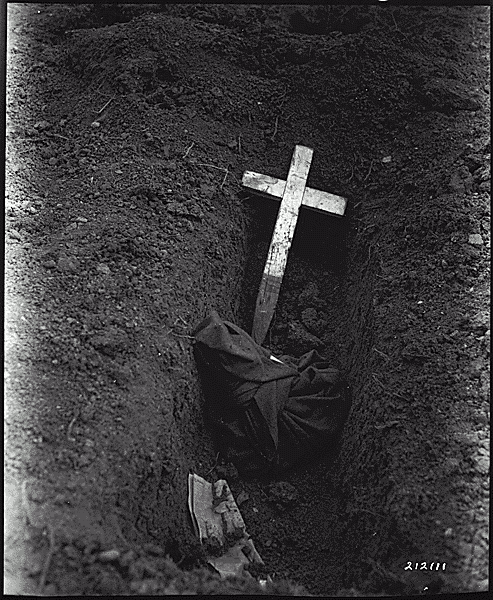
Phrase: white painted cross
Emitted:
{"points": [[293, 193]]}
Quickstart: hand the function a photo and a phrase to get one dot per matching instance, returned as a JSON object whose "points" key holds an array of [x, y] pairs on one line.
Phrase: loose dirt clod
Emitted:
{"points": [[109, 556]]}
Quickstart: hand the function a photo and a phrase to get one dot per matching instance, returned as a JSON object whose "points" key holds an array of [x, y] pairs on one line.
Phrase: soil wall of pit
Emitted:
{"points": [[160, 260], [160, 405]]}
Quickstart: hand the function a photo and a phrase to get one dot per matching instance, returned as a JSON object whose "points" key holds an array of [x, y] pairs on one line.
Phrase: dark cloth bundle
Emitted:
{"points": [[267, 413]]}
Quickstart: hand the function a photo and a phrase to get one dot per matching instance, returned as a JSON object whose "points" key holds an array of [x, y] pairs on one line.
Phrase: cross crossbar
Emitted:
{"points": [[314, 199], [293, 194]]}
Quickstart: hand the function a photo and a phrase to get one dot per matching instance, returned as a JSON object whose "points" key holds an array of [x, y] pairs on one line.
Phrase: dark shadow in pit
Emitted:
{"points": [[320, 240]]}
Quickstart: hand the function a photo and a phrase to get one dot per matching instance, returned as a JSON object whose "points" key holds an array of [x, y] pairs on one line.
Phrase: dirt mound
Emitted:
{"points": [[129, 128]]}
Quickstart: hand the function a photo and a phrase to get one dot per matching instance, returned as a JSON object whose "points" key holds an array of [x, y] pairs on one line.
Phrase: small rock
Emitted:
{"points": [[41, 125], [102, 268], [475, 239], [53, 161], [66, 264], [109, 555], [95, 124], [15, 234], [49, 264], [81, 219], [387, 159]]}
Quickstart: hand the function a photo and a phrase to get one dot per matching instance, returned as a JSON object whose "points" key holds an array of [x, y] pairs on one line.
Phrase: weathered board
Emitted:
{"points": [[282, 238], [218, 524], [293, 194], [314, 199]]}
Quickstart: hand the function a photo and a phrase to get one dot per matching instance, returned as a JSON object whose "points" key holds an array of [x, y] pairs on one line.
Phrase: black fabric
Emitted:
{"points": [[267, 414]]}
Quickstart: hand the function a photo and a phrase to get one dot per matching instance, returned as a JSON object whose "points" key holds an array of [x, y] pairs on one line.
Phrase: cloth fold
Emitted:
{"points": [[267, 411]]}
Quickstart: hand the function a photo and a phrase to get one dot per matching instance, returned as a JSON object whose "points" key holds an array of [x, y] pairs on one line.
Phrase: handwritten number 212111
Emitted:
{"points": [[424, 566]]}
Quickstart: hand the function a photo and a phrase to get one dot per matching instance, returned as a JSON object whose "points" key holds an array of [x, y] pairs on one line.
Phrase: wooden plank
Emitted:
{"points": [[324, 202], [264, 184], [281, 241], [312, 198]]}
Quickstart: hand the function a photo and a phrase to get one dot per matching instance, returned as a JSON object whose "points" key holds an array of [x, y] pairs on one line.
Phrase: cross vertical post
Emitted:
{"points": [[282, 237]]}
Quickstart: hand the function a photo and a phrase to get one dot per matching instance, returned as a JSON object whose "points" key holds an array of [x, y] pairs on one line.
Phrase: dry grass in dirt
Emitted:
{"points": [[128, 130]]}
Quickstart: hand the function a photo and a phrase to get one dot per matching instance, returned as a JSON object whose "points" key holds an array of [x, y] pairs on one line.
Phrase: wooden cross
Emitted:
{"points": [[293, 193]]}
